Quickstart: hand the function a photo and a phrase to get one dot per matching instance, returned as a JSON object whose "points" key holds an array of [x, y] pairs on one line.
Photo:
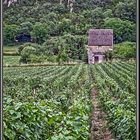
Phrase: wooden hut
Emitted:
{"points": [[99, 42]]}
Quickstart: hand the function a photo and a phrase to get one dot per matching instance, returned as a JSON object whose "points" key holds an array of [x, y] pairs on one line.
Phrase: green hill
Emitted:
{"points": [[54, 23]]}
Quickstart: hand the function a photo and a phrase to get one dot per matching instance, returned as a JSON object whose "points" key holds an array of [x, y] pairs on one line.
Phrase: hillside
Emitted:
{"points": [[58, 23], [55, 19]]}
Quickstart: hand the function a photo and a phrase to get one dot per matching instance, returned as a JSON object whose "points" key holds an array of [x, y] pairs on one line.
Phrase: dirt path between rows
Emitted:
{"points": [[99, 130]]}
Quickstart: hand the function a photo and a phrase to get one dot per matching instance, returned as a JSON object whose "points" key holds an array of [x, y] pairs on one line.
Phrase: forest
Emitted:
{"points": [[59, 29]]}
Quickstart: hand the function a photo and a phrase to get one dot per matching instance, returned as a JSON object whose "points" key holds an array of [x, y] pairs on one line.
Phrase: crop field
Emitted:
{"points": [[55, 103], [10, 48], [11, 60]]}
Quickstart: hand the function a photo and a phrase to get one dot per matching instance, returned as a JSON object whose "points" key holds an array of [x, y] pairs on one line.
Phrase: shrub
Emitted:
{"points": [[10, 31], [109, 55], [125, 50], [124, 30], [62, 55], [60, 8], [26, 54], [26, 27], [37, 59], [34, 45], [50, 47], [40, 32]]}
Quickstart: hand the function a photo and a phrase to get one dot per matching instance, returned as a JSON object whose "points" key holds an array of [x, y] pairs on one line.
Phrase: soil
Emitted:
{"points": [[99, 130]]}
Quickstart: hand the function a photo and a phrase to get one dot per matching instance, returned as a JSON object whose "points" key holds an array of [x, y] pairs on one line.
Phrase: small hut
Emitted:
{"points": [[99, 42]]}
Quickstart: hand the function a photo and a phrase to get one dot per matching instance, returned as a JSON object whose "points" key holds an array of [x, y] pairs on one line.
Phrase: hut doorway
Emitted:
{"points": [[96, 59]]}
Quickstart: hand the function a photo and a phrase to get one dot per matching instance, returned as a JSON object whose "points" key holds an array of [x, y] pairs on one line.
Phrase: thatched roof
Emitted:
{"points": [[100, 37]]}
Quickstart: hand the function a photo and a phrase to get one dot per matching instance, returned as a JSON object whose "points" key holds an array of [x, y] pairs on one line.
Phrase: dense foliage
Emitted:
{"points": [[66, 48], [51, 22], [125, 50]]}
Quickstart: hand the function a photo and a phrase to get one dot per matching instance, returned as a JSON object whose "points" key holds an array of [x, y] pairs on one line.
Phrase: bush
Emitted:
{"points": [[109, 55], [26, 27], [60, 9], [50, 47], [75, 46], [26, 54], [40, 32], [125, 50], [34, 45], [37, 59], [10, 31], [62, 56], [124, 30], [52, 58]]}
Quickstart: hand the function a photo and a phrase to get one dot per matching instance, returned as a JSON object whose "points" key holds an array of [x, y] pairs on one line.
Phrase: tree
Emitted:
{"points": [[50, 47], [26, 53], [97, 17], [125, 50], [10, 31], [109, 55], [126, 10], [62, 55], [40, 32], [102, 3], [124, 30], [108, 13], [59, 9], [64, 26], [26, 27], [75, 45]]}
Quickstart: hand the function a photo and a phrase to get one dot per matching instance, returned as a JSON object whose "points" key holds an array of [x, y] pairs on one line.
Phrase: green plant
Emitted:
{"points": [[26, 54], [125, 50], [44, 102], [10, 32], [26, 27], [121, 33], [40, 32]]}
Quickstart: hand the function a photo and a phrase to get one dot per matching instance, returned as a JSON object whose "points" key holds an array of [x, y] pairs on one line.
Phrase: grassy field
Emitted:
{"points": [[10, 48], [54, 102]]}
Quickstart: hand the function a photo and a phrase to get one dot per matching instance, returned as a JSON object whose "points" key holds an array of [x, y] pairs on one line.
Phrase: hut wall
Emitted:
{"points": [[90, 57]]}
